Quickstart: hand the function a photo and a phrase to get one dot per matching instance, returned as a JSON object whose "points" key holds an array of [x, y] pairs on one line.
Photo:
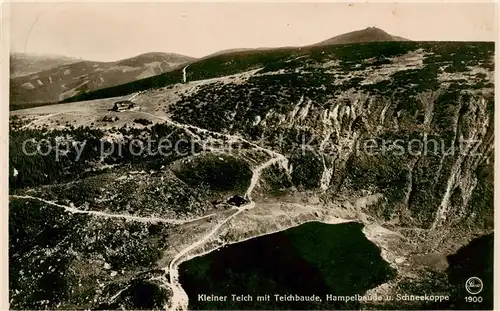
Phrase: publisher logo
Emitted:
{"points": [[474, 285]]}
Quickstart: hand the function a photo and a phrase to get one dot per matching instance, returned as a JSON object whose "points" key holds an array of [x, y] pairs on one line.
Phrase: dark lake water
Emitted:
{"points": [[474, 259], [312, 258]]}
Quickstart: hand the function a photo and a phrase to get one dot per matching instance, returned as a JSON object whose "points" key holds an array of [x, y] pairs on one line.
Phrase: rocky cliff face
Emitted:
{"points": [[404, 128], [412, 124]]}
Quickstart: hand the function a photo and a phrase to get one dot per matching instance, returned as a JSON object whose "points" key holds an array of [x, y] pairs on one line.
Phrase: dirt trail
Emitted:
{"points": [[179, 299], [45, 118], [184, 75], [74, 210]]}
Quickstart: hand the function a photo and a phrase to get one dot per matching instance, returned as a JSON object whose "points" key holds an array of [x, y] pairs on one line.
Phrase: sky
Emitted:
{"points": [[109, 31]]}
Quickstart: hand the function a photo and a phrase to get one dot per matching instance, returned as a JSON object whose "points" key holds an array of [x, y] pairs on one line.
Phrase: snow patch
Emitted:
{"points": [[256, 121], [305, 111], [28, 85]]}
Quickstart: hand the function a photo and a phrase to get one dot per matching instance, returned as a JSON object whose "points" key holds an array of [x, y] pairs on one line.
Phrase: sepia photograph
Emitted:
{"points": [[250, 155]]}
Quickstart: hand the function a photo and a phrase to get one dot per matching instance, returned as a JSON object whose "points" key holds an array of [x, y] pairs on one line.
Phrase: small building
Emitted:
{"points": [[237, 200], [123, 105]]}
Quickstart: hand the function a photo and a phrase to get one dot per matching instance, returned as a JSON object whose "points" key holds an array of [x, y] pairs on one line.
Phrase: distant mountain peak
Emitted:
{"points": [[369, 34], [154, 56]]}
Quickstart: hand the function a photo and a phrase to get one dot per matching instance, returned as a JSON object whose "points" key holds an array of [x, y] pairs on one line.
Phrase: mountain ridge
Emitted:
{"points": [[74, 76], [22, 64], [369, 34]]}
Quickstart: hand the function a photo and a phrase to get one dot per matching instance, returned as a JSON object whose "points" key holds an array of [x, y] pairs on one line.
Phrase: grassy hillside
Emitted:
{"points": [[22, 64], [455, 55], [60, 82]]}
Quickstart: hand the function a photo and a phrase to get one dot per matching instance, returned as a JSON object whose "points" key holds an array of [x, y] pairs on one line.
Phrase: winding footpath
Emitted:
{"points": [[179, 299], [74, 210], [184, 75], [33, 122]]}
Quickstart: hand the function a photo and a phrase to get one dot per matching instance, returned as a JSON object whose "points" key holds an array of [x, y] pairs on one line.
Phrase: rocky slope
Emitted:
{"points": [[338, 106]]}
